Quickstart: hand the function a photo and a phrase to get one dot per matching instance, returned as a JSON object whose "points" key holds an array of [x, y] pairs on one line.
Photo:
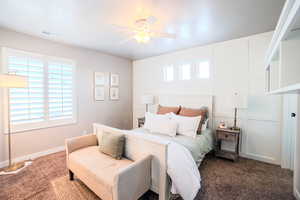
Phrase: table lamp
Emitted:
{"points": [[147, 99], [239, 102], [12, 81]]}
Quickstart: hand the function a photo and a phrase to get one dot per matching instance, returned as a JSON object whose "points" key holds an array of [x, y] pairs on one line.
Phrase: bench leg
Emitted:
{"points": [[71, 175]]}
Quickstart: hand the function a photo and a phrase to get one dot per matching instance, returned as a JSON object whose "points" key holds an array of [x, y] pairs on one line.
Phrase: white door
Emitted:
{"points": [[289, 130]]}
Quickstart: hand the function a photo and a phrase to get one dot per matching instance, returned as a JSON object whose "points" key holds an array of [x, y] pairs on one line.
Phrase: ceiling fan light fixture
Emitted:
{"points": [[142, 37]]}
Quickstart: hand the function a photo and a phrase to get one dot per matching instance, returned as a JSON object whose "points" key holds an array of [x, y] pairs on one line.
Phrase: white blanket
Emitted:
{"points": [[182, 168], [183, 171]]}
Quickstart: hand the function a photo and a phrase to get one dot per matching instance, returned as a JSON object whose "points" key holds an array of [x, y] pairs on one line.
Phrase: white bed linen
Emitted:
{"points": [[182, 168]]}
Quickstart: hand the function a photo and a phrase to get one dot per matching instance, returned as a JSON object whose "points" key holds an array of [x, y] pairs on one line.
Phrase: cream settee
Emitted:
{"points": [[110, 179]]}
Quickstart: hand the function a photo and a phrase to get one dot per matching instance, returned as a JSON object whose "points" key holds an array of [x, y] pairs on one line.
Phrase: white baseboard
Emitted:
{"points": [[34, 155], [261, 158], [297, 194]]}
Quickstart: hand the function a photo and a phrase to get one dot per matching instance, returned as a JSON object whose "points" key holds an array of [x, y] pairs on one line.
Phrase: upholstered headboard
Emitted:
{"points": [[190, 101]]}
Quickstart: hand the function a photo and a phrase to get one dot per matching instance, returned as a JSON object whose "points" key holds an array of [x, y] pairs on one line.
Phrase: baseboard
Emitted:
{"points": [[261, 158], [34, 155], [297, 194]]}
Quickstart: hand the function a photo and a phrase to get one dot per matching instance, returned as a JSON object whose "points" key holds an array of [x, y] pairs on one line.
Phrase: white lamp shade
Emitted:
{"points": [[13, 81], [147, 99], [239, 101]]}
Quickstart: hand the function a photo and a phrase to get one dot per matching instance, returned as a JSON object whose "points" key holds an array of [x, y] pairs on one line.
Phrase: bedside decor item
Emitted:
{"points": [[99, 93], [114, 93], [222, 125], [141, 121], [99, 78], [114, 79], [231, 136], [147, 100], [12, 81], [239, 102]]}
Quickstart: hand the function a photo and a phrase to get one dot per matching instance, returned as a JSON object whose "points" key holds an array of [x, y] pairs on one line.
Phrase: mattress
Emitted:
{"points": [[198, 146]]}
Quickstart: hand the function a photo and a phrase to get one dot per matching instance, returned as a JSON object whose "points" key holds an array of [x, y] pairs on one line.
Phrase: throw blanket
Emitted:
{"points": [[182, 168]]}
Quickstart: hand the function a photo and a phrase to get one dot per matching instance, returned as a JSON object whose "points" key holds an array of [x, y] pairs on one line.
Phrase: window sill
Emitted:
{"points": [[44, 125]]}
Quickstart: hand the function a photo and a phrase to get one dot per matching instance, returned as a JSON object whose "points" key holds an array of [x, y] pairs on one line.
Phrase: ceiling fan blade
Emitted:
{"points": [[123, 28], [126, 40], [164, 35]]}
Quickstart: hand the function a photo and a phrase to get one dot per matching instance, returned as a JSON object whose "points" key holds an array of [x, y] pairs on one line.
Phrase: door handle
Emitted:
{"points": [[293, 114]]}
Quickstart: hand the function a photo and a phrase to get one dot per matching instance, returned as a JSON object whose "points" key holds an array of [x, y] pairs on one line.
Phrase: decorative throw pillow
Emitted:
{"points": [[191, 112], [111, 144], [164, 110], [187, 126]]}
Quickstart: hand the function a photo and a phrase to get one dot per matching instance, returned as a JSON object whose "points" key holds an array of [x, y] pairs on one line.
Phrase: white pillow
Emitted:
{"points": [[187, 126], [164, 126], [160, 124], [204, 125], [149, 117]]}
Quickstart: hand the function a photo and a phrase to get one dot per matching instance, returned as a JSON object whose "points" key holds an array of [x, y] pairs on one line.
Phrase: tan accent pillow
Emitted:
{"points": [[112, 144], [191, 112], [164, 110]]}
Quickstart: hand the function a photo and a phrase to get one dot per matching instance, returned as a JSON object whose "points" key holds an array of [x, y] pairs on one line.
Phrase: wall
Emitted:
{"points": [[113, 113], [297, 158], [236, 66]]}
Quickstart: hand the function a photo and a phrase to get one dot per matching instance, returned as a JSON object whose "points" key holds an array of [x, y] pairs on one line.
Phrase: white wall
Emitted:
{"points": [[236, 66], [114, 113], [297, 158]]}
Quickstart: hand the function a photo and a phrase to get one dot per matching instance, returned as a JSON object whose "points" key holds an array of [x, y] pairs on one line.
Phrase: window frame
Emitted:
{"points": [[6, 52], [198, 74]]}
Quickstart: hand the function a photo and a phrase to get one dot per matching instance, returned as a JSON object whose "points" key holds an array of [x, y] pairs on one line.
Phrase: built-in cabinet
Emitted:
{"points": [[282, 72], [282, 59]]}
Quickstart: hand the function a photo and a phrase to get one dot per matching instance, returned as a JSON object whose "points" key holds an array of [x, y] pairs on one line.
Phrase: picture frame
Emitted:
{"points": [[99, 78], [114, 93], [114, 79], [99, 93]]}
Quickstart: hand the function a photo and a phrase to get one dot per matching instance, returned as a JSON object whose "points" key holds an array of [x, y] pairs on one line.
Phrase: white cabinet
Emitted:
{"points": [[283, 58]]}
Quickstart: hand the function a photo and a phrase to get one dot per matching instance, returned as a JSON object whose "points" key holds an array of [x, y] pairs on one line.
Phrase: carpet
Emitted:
{"points": [[46, 179], [65, 189]]}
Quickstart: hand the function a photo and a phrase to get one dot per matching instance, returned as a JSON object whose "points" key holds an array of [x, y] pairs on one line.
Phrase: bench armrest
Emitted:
{"points": [[134, 180], [75, 143]]}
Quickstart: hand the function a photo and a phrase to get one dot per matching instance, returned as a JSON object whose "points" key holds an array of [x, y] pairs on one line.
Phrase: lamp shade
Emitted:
{"points": [[147, 99], [13, 81], [239, 101]]}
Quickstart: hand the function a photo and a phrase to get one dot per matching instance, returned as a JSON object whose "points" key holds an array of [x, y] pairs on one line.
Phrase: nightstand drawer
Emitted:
{"points": [[226, 136]]}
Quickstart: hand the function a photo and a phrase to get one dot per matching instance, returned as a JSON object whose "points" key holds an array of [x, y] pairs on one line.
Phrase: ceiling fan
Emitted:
{"points": [[142, 31]]}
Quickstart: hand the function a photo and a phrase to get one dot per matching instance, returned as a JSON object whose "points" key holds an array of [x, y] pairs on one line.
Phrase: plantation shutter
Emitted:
{"points": [[27, 104], [60, 90], [49, 99]]}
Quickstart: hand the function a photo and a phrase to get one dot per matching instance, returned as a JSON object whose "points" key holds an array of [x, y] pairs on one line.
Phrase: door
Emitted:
{"points": [[289, 130]]}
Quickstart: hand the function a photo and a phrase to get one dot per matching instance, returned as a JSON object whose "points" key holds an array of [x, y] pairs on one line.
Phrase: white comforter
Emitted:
{"points": [[183, 171], [182, 168]]}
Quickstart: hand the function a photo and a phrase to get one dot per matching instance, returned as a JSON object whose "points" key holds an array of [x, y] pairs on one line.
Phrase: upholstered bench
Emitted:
{"points": [[107, 177]]}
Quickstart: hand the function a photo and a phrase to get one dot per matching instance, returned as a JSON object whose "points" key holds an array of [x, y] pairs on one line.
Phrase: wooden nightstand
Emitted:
{"points": [[231, 136], [141, 121]]}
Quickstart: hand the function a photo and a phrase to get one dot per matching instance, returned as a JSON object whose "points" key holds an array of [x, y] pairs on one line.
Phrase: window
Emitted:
{"points": [[168, 73], [49, 99], [185, 72], [203, 70]]}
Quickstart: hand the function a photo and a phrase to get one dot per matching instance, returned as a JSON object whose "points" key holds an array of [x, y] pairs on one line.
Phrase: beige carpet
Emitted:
{"points": [[246, 179], [75, 190]]}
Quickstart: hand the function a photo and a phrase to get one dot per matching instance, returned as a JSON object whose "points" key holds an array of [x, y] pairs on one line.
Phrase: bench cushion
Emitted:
{"points": [[96, 168]]}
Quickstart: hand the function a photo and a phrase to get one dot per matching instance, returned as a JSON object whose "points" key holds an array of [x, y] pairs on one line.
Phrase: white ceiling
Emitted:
{"points": [[89, 23]]}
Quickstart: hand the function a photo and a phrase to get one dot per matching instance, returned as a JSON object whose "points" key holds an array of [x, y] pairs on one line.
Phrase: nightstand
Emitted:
{"points": [[231, 136], [141, 121]]}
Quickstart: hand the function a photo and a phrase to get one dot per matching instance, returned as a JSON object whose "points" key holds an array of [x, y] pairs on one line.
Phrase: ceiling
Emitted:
{"points": [[90, 23]]}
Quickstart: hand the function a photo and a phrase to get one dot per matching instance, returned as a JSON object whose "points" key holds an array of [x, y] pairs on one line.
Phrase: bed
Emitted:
{"points": [[165, 159]]}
